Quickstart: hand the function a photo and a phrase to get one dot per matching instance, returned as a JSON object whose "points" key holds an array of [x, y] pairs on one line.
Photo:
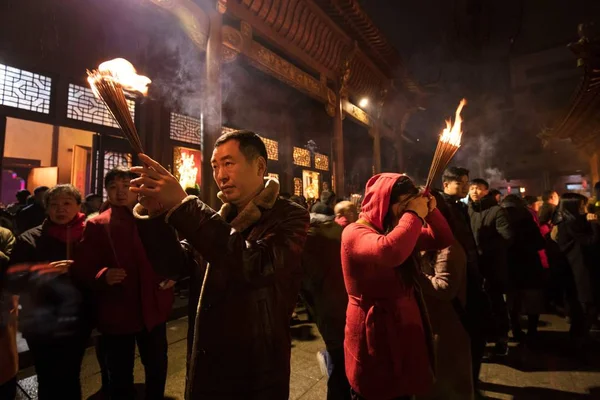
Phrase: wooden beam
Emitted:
{"points": [[240, 12]]}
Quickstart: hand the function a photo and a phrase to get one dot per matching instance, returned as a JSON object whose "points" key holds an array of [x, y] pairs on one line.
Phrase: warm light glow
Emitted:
{"points": [[453, 133], [522, 190], [124, 73], [363, 102], [188, 172]]}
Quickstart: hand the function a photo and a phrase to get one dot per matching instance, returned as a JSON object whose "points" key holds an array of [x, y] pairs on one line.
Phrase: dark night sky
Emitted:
{"points": [[463, 48]]}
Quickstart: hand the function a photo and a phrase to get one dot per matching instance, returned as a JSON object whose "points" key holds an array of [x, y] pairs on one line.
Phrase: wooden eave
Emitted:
{"points": [[581, 122], [305, 33]]}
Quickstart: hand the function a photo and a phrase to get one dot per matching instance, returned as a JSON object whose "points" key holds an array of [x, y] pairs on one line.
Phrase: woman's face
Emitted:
{"points": [[399, 206], [62, 208]]}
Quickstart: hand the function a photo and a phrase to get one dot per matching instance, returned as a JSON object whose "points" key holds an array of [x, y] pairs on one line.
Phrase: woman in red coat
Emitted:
{"points": [[388, 346]]}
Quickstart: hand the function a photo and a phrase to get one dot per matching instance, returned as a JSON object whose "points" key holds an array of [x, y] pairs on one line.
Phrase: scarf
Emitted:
{"points": [[66, 233]]}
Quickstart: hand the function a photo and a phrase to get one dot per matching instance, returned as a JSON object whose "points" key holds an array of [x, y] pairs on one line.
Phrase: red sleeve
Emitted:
{"points": [[437, 235], [388, 250], [89, 259]]}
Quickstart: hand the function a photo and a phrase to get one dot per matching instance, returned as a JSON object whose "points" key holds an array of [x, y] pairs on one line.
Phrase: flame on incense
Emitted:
{"points": [[123, 72]]}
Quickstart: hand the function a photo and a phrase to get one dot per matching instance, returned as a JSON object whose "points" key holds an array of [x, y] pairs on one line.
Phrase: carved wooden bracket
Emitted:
{"points": [[192, 19]]}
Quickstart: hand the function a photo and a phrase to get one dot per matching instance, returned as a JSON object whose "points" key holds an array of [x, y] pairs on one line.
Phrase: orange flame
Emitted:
{"points": [[124, 73], [453, 133]]}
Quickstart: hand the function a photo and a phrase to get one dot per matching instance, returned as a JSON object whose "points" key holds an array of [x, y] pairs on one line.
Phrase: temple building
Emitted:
{"points": [[315, 78]]}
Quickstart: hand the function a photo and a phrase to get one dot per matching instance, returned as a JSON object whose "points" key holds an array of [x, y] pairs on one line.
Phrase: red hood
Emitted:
{"points": [[377, 198]]}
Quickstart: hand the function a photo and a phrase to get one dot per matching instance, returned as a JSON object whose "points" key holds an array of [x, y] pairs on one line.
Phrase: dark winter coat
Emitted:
{"points": [[111, 240], [493, 235], [323, 286], [524, 264], [30, 217], [242, 343], [579, 240]]}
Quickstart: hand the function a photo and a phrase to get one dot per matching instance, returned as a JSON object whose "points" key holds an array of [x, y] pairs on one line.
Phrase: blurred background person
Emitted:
{"points": [[525, 271], [579, 239], [21, 202], [52, 319], [345, 213], [91, 206], [33, 214]]}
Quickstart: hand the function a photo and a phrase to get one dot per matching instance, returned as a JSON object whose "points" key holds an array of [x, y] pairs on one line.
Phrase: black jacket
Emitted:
{"points": [[30, 217], [493, 235], [323, 288], [242, 343], [524, 264], [579, 240]]}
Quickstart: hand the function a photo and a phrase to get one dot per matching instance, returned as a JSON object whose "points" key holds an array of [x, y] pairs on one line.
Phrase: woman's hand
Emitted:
{"points": [[432, 203], [166, 284], [419, 205], [115, 276]]}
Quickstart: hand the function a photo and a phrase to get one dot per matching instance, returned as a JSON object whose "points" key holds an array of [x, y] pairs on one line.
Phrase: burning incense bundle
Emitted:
{"points": [[447, 146], [108, 83]]}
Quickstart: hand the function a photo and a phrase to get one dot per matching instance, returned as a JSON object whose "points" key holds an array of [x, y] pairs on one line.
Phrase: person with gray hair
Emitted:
{"points": [[52, 318]]}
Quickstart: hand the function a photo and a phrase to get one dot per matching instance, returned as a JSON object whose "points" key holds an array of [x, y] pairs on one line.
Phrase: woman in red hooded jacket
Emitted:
{"points": [[388, 344]]}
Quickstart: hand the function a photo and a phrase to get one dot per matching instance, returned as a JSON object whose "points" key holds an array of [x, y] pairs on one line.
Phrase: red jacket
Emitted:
{"points": [[111, 240], [386, 344]]}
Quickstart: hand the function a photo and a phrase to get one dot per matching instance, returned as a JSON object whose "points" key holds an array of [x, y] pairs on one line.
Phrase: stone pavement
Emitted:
{"points": [[549, 372]]}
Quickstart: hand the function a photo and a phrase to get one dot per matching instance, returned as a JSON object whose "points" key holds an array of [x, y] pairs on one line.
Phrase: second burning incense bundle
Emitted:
{"points": [[447, 147]]}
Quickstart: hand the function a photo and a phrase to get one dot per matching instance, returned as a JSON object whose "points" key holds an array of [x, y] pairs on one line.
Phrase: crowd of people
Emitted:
{"points": [[406, 290]]}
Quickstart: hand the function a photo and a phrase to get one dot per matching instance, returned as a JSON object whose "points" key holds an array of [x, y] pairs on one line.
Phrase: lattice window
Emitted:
{"points": [[82, 105], [301, 157], [298, 186], [321, 162], [186, 129], [272, 148], [24, 89], [113, 159]]}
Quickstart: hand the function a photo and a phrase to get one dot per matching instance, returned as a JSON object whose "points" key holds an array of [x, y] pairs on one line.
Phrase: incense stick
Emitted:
{"points": [[106, 88]]}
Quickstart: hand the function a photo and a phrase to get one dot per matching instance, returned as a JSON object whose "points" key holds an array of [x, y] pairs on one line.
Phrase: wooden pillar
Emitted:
{"points": [[376, 135], [212, 107], [338, 148], [2, 140]]}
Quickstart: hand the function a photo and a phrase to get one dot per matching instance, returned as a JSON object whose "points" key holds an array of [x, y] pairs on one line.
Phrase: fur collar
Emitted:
{"points": [[251, 213]]}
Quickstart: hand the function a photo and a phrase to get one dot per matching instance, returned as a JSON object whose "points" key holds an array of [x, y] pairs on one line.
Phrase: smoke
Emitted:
{"points": [[493, 175]]}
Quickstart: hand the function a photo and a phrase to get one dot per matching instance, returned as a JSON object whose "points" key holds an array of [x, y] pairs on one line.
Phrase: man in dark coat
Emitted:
{"points": [[252, 249], [492, 235], [324, 293], [455, 181], [34, 214], [525, 270]]}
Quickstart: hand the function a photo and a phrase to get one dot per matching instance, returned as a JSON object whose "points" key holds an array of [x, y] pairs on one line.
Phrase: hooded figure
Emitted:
{"points": [[388, 346]]}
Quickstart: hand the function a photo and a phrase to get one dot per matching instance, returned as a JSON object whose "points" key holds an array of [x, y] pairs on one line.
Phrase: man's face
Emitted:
{"points": [[554, 199], [457, 188], [478, 191], [237, 178], [119, 194]]}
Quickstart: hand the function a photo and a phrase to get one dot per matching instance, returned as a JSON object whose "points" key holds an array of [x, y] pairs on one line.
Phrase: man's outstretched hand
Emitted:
{"points": [[157, 188]]}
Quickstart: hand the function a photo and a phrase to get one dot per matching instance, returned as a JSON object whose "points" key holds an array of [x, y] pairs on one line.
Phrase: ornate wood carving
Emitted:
{"points": [[192, 18], [357, 113], [269, 62], [305, 32]]}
